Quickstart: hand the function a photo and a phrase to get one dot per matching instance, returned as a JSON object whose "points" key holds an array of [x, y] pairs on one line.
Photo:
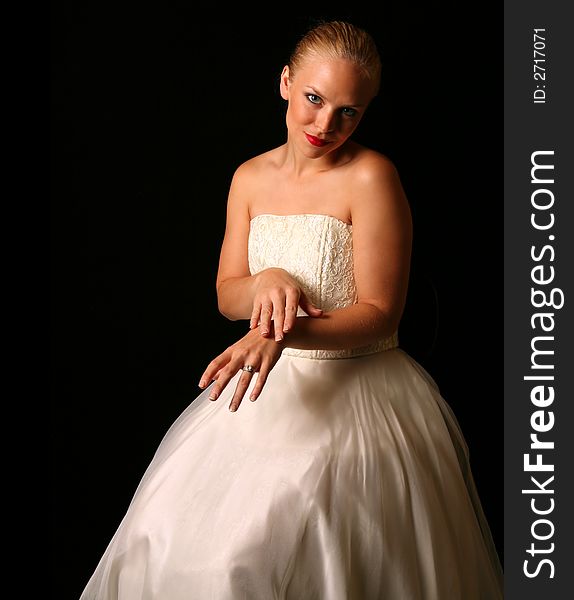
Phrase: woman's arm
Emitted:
{"points": [[270, 293], [235, 284], [382, 238]]}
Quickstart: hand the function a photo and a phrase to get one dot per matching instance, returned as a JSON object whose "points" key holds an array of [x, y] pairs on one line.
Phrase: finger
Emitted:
{"points": [[279, 319], [240, 390], [291, 303], [225, 376], [266, 313], [212, 370], [308, 306], [255, 315], [259, 383]]}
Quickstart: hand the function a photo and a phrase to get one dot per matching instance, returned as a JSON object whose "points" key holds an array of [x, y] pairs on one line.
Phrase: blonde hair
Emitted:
{"points": [[339, 40]]}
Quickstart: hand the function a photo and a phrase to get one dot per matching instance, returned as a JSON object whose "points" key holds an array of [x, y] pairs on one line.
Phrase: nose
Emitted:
{"points": [[325, 120]]}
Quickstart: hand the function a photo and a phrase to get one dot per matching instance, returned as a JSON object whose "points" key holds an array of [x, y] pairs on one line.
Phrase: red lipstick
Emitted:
{"points": [[315, 141]]}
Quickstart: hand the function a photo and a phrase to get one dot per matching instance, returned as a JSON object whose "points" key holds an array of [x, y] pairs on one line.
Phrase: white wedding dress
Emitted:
{"points": [[347, 479]]}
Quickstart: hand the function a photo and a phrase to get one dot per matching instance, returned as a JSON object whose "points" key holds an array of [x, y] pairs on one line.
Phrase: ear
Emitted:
{"points": [[285, 83]]}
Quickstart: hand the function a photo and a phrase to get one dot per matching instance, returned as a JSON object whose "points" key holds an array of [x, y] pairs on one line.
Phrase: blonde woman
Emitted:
{"points": [[320, 461]]}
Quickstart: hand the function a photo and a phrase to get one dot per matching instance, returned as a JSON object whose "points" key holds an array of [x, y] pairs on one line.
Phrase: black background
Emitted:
{"points": [[152, 111]]}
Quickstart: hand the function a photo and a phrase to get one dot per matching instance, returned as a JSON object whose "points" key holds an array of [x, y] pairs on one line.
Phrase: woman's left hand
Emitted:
{"points": [[253, 349]]}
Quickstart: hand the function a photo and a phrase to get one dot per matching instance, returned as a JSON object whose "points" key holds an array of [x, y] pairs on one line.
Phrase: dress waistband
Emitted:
{"points": [[380, 346]]}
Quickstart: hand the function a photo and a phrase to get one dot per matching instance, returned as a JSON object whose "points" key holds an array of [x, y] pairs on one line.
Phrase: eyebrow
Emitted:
{"points": [[318, 93]]}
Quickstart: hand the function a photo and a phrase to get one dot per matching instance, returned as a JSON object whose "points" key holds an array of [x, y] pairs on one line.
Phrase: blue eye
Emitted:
{"points": [[349, 112], [313, 98]]}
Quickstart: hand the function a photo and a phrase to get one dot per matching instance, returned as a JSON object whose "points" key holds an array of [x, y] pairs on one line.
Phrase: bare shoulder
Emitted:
{"points": [[371, 168], [253, 169], [243, 185], [377, 187]]}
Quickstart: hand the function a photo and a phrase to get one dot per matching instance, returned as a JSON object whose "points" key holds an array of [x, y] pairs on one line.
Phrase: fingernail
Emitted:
{"points": [[285, 329], [278, 338], [202, 384], [213, 396], [252, 398], [232, 408], [264, 332]]}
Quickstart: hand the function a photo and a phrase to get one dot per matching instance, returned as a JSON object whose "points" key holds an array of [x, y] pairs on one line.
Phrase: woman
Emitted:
{"points": [[346, 476]]}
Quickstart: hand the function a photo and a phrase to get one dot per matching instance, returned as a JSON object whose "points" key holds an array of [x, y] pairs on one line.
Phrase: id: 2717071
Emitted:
{"points": [[539, 66]]}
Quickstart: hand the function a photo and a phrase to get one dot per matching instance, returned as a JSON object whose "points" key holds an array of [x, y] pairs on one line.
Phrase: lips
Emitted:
{"points": [[315, 141]]}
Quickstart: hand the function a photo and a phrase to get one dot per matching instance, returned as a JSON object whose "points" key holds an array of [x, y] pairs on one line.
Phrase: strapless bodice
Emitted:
{"points": [[317, 251]]}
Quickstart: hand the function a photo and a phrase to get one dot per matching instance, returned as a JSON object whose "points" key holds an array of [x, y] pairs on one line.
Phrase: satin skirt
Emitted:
{"points": [[347, 479]]}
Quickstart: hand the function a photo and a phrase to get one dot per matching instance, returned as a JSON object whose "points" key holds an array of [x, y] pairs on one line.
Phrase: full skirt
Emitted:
{"points": [[347, 479]]}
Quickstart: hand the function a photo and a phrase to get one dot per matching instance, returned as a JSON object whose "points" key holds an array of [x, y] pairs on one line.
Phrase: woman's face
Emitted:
{"points": [[327, 99]]}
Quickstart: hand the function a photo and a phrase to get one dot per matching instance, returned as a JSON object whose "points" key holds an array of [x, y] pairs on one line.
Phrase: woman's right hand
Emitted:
{"points": [[278, 297]]}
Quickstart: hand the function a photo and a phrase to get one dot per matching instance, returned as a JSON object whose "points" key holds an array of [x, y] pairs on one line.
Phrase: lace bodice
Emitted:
{"points": [[317, 250]]}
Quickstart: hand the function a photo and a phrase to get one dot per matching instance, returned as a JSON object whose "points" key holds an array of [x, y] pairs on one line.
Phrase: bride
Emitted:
{"points": [[320, 461]]}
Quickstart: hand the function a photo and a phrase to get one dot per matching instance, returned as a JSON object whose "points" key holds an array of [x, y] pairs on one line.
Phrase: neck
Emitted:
{"points": [[300, 166]]}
